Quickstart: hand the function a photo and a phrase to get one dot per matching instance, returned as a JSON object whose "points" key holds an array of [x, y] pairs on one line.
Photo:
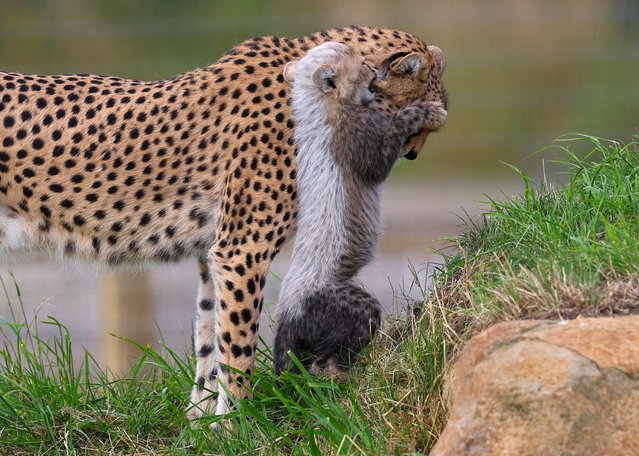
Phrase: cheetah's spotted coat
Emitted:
{"points": [[200, 165]]}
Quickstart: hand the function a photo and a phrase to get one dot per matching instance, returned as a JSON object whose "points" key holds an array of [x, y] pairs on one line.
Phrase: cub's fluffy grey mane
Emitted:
{"points": [[320, 181]]}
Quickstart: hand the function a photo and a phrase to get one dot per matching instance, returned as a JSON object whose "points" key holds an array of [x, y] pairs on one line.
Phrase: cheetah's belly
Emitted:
{"points": [[180, 236], [17, 234]]}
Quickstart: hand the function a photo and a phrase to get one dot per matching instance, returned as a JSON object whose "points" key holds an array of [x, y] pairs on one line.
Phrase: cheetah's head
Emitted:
{"points": [[406, 76]]}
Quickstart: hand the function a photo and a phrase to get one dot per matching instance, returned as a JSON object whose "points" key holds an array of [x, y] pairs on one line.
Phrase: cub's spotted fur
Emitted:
{"points": [[201, 165]]}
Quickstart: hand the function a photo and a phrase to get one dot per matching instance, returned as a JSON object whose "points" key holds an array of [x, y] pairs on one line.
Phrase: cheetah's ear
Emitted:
{"points": [[289, 71], [414, 63], [438, 55], [324, 78]]}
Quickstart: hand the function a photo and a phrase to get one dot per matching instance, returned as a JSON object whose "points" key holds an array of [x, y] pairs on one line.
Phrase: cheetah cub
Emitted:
{"points": [[347, 147]]}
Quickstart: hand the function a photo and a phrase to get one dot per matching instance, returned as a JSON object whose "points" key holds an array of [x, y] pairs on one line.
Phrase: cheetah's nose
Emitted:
{"points": [[411, 154]]}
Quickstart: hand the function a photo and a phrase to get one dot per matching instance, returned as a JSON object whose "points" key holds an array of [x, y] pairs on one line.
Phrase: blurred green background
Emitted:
{"points": [[520, 72]]}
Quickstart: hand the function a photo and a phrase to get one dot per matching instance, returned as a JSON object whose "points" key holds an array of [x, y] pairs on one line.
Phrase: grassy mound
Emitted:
{"points": [[553, 252], [558, 251]]}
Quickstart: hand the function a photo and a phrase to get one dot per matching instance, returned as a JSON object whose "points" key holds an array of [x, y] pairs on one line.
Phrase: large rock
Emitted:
{"points": [[546, 388]]}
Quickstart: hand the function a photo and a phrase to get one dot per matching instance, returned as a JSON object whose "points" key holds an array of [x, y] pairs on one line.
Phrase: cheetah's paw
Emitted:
{"points": [[203, 403]]}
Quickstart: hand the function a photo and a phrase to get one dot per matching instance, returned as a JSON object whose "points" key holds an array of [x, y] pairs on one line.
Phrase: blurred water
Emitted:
{"points": [[160, 302]]}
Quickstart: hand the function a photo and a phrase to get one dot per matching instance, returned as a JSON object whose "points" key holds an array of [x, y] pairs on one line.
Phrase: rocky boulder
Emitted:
{"points": [[546, 387]]}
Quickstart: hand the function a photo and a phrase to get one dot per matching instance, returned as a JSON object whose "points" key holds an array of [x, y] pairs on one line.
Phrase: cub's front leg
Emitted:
{"points": [[371, 154]]}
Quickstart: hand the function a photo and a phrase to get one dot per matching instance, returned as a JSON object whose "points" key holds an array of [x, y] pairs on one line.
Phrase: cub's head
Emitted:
{"points": [[405, 76], [335, 71]]}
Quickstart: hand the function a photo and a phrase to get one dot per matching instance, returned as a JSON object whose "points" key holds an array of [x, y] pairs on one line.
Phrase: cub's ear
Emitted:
{"points": [[324, 77], [371, 66], [414, 63], [289, 71]]}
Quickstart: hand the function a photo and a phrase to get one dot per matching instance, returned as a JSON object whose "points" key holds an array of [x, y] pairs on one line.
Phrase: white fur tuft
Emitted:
{"points": [[321, 235]]}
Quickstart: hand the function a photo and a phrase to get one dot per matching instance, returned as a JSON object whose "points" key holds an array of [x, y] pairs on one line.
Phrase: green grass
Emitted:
{"points": [[562, 250], [49, 404], [555, 251]]}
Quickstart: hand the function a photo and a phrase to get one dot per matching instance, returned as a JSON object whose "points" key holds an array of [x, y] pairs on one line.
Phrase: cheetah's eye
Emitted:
{"points": [[371, 89]]}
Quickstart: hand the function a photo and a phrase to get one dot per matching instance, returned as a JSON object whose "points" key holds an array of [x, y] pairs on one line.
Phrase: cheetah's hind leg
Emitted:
{"points": [[203, 395]]}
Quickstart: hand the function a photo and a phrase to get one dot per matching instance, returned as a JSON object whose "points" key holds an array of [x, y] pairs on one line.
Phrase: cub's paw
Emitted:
{"points": [[410, 120], [421, 115], [437, 115]]}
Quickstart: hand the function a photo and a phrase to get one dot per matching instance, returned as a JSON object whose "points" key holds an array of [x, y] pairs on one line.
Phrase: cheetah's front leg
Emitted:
{"points": [[239, 276], [202, 400]]}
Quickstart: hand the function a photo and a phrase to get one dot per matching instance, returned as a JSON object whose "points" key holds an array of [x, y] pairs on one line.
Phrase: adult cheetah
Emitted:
{"points": [[202, 165]]}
